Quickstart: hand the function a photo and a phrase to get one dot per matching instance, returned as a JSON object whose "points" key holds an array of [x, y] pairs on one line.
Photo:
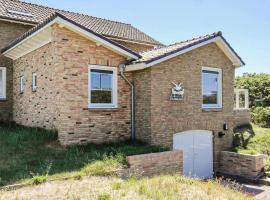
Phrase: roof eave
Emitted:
{"points": [[218, 39], [65, 22]]}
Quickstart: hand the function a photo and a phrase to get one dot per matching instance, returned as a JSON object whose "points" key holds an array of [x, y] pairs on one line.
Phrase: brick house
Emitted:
{"points": [[96, 80]]}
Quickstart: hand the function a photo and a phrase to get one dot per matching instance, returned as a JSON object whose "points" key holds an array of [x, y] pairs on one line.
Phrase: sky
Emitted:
{"points": [[244, 23]]}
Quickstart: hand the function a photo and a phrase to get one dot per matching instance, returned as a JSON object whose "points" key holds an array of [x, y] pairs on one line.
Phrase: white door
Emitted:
{"points": [[197, 146]]}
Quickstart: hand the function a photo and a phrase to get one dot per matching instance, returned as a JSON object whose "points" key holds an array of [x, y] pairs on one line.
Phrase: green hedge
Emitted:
{"points": [[261, 116]]}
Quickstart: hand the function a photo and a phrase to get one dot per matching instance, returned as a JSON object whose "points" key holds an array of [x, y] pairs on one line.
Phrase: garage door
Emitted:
{"points": [[197, 146]]}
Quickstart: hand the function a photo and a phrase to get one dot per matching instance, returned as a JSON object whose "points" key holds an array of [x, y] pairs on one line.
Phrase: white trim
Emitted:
{"points": [[131, 41], [237, 98], [4, 82], [22, 84], [17, 22], [220, 95], [34, 81], [114, 87], [76, 29], [218, 40]]}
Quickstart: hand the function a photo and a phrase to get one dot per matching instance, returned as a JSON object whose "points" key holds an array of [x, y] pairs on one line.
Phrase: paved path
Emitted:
{"points": [[259, 191]]}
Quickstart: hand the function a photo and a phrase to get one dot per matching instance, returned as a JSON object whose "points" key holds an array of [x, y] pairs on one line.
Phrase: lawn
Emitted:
{"points": [[32, 154], [113, 188]]}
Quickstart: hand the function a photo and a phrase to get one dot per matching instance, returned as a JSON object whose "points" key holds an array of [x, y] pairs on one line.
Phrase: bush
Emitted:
{"points": [[261, 116], [39, 179], [242, 134], [258, 86]]}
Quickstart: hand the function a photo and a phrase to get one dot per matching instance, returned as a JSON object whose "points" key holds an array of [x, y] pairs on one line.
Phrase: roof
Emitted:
{"points": [[108, 28], [44, 28], [161, 54]]}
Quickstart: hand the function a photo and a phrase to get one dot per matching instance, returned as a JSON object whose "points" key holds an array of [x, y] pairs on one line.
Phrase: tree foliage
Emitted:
{"points": [[258, 86]]}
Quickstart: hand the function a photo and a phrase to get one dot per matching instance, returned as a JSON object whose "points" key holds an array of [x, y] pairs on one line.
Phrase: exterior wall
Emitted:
{"points": [[61, 100], [77, 123], [142, 81], [249, 166], [170, 117], [8, 32], [170, 162], [241, 117], [135, 47], [36, 108]]}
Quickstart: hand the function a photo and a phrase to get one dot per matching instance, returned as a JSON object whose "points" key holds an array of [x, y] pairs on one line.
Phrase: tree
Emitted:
{"points": [[258, 86]]}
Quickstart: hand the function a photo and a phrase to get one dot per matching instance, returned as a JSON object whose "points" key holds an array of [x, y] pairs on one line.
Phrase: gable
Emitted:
{"points": [[42, 34], [159, 55]]}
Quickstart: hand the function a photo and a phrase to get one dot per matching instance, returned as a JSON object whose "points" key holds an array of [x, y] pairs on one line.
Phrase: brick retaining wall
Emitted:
{"points": [[169, 162], [248, 166]]}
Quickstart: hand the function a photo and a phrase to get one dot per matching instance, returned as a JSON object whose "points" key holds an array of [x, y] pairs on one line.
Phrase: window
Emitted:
{"points": [[34, 82], [241, 99], [102, 87], [22, 84], [2, 82], [212, 87]]}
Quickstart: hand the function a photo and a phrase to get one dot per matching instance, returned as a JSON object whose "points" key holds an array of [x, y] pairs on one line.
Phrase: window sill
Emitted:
{"points": [[212, 109], [102, 109], [3, 99], [241, 109]]}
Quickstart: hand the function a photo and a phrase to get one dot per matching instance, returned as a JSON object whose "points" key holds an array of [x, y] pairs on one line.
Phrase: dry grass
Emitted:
{"points": [[109, 188]]}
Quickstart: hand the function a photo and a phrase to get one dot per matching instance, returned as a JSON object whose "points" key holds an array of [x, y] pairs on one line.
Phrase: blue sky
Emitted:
{"points": [[244, 23]]}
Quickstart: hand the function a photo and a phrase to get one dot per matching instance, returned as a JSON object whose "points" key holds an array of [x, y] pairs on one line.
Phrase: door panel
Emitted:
{"points": [[197, 149]]}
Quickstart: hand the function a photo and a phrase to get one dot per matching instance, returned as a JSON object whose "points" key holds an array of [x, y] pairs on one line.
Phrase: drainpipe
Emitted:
{"points": [[133, 133]]}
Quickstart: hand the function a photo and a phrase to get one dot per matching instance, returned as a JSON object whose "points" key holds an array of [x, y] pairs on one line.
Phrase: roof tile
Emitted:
{"points": [[101, 26]]}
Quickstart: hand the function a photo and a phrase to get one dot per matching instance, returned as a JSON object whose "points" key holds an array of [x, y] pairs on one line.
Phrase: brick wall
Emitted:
{"points": [[241, 117], [170, 117], [248, 166], [170, 162], [8, 32], [61, 100], [36, 108]]}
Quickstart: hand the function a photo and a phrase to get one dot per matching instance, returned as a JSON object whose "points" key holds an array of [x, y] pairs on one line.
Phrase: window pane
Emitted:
{"points": [[95, 81], [241, 99], [106, 81], [101, 96], [210, 87]]}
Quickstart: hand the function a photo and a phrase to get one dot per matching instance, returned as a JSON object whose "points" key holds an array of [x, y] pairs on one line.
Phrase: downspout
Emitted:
{"points": [[133, 132]]}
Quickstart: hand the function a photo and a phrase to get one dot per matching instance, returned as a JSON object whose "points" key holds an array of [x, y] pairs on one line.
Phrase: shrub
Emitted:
{"points": [[261, 116], [39, 179], [258, 86], [242, 134]]}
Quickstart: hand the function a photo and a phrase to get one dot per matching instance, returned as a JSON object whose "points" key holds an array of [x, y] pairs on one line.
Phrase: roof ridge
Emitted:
{"points": [[72, 12], [218, 33], [214, 34]]}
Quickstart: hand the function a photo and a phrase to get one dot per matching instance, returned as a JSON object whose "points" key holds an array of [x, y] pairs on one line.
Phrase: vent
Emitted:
{"points": [[19, 12]]}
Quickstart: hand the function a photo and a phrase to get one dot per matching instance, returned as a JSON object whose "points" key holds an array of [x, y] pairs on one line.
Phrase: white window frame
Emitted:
{"points": [[34, 81], [114, 87], [4, 85], [219, 96], [237, 99], [22, 84]]}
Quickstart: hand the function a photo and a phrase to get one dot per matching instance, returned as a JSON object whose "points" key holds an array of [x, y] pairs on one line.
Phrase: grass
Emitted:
{"points": [[112, 188], [260, 143], [33, 155]]}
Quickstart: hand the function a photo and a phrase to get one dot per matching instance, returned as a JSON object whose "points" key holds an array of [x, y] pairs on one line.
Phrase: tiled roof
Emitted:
{"points": [[54, 16], [101, 26], [161, 52]]}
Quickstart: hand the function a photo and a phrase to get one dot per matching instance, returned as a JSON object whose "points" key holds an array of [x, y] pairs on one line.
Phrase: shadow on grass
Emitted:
{"points": [[27, 152]]}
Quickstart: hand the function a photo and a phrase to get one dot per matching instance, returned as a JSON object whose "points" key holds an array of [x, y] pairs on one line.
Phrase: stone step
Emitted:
{"points": [[264, 181]]}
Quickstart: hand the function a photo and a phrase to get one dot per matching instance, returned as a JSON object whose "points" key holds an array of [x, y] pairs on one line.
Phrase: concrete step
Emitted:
{"points": [[264, 181]]}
